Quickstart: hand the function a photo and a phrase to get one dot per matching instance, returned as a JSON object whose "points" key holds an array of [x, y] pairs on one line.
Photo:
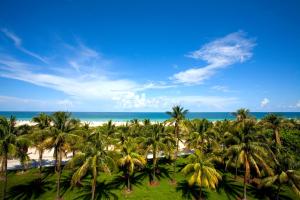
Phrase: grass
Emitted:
{"points": [[23, 186]]}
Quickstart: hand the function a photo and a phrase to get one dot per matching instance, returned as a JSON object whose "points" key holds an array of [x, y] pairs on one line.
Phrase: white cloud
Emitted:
{"points": [[126, 94], [16, 40], [156, 85], [18, 44], [133, 101], [81, 86], [80, 74], [220, 88], [264, 102], [220, 53]]}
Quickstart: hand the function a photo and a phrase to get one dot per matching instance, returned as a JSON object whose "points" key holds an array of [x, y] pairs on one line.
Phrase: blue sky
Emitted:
{"points": [[149, 55]]}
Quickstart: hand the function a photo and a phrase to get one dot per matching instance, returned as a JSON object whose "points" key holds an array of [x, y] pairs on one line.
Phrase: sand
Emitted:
{"points": [[91, 123]]}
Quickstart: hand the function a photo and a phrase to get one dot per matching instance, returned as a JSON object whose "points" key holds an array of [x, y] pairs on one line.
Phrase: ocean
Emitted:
{"points": [[153, 116]]}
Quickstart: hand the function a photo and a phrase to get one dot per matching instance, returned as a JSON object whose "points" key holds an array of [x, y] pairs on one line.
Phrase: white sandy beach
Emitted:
{"points": [[91, 123], [48, 159]]}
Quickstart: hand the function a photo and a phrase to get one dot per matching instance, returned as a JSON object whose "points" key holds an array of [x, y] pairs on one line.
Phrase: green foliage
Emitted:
{"points": [[106, 159]]}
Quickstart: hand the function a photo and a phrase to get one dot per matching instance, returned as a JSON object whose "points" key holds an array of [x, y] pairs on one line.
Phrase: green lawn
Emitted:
{"points": [[20, 186]]}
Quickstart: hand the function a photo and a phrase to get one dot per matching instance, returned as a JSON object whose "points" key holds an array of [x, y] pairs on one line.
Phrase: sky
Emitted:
{"points": [[147, 55]]}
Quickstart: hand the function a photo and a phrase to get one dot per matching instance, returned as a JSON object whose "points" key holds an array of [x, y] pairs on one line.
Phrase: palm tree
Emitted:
{"points": [[146, 122], [232, 137], [201, 134], [61, 136], [7, 145], [202, 171], [40, 134], [242, 114], [122, 134], [22, 145], [289, 177], [177, 115], [284, 175], [130, 160], [274, 122], [93, 158], [155, 144], [250, 152], [107, 130], [42, 121], [169, 141], [135, 128]]}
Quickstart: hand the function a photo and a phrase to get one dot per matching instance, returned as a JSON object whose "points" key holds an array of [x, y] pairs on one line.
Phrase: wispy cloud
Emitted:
{"points": [[80, 72], [126, 94], [220, 88], [133, 101], [81, 86], [18, 44], [220, 53], [264, 102]]}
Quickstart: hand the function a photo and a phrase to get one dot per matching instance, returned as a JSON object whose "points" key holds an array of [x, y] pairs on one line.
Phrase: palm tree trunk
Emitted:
{"points": [[277, 192], [200, 192], [5, 176], [245, 188], [58, 175], [277, 137], [154, 165], [236, 168], [2, 166], [56, 160], [128, 182], [94, 187], [40, 161], [247, 168], [176, 151]]}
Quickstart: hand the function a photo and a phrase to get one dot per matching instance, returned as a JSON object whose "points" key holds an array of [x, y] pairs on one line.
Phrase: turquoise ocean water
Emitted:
{"points": [[153, 116]]}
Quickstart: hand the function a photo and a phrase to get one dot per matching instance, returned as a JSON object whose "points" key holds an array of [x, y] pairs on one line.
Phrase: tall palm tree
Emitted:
{"points": [[92, 159], [242, 114], [289, 177], [201, 134], [61, 136], [177, 115], [146, 122], [274, 122], [230, 138], [130, 160], [7, 144], [122, 134], [135, 128], [202, 171], [250, 152], [40, 134], [284, 175], [39, 141], [23, 142], [155, 143], [42, 121], [169, 141], [107, 130]]}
